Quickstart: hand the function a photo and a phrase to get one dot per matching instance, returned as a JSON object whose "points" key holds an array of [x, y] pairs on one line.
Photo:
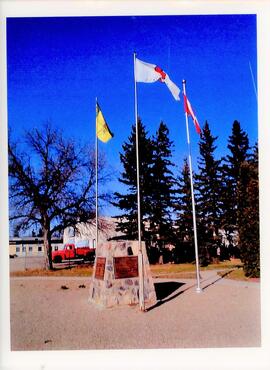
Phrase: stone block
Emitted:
{"points": [[119, 285]]}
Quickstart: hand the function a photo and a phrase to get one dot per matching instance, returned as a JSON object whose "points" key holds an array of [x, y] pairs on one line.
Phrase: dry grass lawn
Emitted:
{"points": [[184, 270]]}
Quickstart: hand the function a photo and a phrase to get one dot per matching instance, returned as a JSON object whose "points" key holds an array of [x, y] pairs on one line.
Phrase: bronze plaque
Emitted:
{"points": [[100, 268], [125, 267]]}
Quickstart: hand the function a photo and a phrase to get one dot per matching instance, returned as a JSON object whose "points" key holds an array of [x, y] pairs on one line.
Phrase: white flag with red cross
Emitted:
{"points": [[146, 72]]}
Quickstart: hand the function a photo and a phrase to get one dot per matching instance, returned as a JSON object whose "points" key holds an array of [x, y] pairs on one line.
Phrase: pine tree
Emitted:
{"points": [[184, 236], [238, 144], [183, 206], [208, 182], [249, 222], [162, 187], [127, 202]]}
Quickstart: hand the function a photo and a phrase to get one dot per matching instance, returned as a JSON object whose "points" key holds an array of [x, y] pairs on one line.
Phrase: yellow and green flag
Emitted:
{"points": [[102, 129]]}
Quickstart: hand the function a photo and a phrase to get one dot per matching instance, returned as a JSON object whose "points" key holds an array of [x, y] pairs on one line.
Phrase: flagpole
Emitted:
{"points": [[96, 163], [140, 256], [198, 288]]}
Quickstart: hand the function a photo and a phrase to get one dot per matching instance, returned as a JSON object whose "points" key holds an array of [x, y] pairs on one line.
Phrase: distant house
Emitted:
{"points": [[85, 233], [31, 246]]}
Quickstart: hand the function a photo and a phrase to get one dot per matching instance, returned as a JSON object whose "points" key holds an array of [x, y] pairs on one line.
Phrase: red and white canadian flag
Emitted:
{"points": [[188, 109], [146, 72]]}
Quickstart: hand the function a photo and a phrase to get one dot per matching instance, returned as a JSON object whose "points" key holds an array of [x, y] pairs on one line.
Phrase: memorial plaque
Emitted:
{"points": [[100, 268], [125, 267]]}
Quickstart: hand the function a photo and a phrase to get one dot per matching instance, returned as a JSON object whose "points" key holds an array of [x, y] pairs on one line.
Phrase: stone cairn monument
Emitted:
{"points": [[115, 279]]}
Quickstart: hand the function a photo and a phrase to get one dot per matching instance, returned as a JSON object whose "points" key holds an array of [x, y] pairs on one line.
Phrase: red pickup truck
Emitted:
{"points": [[71, 252]]}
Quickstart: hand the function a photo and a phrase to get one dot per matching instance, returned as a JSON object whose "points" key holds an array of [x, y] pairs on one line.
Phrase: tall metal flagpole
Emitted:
{"points": [[198, 288], [96, 160], [140, 256]]}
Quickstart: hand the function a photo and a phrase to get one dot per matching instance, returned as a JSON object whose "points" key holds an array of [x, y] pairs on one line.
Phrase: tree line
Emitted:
{"points": [[226, 193], [52, 186]]}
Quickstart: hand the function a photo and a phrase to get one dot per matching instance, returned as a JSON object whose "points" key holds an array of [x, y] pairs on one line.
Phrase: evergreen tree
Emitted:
{"points": [[238, 144], [128, 202], [161, 187], [183, 206], [208, 182], [249, 222], [184, 235]]}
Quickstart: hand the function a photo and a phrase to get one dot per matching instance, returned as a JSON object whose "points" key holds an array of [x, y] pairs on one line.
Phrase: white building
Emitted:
{"points": [[31, 246], [84, 236], [85, 233]]}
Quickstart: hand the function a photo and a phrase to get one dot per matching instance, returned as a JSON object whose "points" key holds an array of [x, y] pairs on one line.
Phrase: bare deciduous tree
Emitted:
{"points": [[51, 183]]}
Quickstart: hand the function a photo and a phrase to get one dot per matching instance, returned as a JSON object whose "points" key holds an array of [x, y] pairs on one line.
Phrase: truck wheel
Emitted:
{"points": [[57, 259], [90, 256]]}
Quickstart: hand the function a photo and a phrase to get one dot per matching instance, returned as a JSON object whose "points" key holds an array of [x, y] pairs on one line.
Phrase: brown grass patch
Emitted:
{"points": [[191, 267], [183, 270], [237, 274], [73, 271]]}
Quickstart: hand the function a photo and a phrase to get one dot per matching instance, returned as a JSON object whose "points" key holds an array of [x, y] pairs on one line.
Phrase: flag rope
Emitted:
{"points": [[198, 288], [140, 255]]}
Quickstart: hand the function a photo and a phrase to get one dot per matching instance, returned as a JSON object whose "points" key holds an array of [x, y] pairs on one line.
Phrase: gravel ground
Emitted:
{"points": [[46, 317]]}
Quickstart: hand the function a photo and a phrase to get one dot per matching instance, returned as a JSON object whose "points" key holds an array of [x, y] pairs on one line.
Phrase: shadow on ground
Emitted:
{"points": [[218, 278], [164, 292], [164, 289]]}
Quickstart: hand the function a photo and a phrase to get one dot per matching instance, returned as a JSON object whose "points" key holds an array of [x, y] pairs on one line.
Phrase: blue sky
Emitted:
{"points": [[58, 66]]}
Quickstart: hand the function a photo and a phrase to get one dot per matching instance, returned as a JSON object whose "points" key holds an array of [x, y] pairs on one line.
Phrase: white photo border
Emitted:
{"points": [[210, 358]]}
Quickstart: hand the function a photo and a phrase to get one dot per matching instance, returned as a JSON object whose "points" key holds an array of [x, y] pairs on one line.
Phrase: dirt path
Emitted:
{"points": [[44, 316]]}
